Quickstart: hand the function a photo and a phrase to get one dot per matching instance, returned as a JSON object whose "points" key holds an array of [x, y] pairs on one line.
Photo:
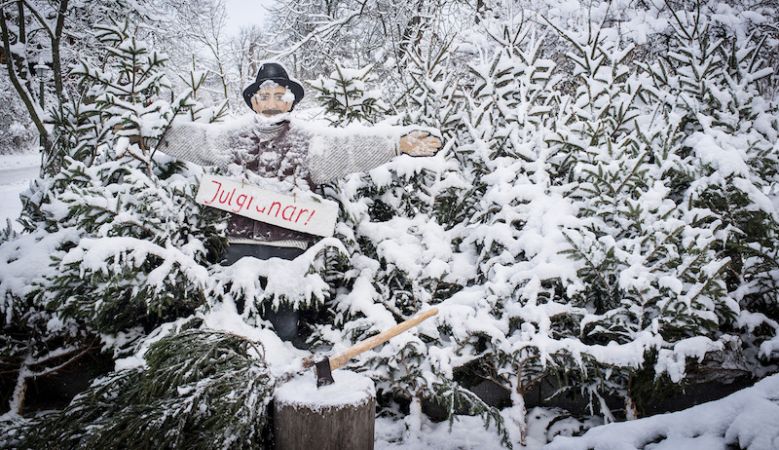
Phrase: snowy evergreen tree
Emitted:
{"points": [[649, 265], [400, 255], [126, 245], [516, 218], [126, 203], [430, 98], [42, 40], [346, 97], [728, 163]]}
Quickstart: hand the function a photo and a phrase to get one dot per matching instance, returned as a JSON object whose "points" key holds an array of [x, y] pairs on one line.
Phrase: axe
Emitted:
{"points": [[326, 366]]}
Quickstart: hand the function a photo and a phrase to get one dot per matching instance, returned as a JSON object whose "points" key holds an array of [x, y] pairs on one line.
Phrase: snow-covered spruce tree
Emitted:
{"points": [[401, 256], [433, 96], [138, 257], [430, 96], [727, 135], [346, 98], [515, 231], [652, 278], [42, 39], [123, 248]]}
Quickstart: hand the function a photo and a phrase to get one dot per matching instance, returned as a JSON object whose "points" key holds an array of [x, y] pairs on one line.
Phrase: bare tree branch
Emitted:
{"points": [[24, 94]]}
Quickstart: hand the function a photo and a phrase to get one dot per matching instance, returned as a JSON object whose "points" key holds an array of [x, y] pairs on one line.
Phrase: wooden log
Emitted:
{"points": [[339, 416]]}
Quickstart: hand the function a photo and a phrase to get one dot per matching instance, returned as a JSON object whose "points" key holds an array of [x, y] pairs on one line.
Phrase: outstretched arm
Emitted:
{"points": [[194, 142], [333, 156]]}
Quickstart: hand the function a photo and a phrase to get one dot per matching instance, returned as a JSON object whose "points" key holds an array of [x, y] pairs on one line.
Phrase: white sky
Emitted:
{"points": [[241, 13]]}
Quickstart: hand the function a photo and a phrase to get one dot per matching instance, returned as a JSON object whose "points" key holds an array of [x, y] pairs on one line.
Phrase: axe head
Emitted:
{"points": [[324, 375]]}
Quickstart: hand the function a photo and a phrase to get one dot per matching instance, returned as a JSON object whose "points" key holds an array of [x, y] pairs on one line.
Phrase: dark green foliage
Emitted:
{"points": [[458, 400], [646, 387], [146, 279], [199, 390], [345, 96], [129, 248]]}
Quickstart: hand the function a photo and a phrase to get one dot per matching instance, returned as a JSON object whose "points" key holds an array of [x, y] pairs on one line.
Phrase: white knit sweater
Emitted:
{"points": [[326, 156], [329, 156]]}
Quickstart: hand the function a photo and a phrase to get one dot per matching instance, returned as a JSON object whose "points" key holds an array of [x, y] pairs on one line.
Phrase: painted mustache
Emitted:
{"points": [[269, 112]]}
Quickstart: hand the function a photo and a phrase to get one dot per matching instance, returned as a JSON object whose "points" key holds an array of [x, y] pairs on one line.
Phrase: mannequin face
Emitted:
{"points": [[272, 100]]}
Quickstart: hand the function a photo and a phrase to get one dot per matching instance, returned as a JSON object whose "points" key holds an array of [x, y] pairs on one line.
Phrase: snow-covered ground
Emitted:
{"points": [[16, 171], [747, 419], [466, 433]]}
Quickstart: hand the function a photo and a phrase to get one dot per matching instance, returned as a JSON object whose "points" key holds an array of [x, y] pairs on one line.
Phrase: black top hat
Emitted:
{"points": [[273, 72]]}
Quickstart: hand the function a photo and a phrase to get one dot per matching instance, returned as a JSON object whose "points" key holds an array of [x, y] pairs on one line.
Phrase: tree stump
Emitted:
{"points": [[336, 417]]}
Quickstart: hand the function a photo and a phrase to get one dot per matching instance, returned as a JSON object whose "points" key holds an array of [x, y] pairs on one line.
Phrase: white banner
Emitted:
{"points": [[309, 216]]}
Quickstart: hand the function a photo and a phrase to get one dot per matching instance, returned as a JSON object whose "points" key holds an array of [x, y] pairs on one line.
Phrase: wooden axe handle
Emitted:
{"points": [[360, 347]]}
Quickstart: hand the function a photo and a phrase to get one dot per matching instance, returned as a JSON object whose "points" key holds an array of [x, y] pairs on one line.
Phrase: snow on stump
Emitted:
{"points": [[334, 417]]}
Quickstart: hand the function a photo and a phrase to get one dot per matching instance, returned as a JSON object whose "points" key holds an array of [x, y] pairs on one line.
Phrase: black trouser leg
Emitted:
{"points": [[234, 252], [284, 319]]}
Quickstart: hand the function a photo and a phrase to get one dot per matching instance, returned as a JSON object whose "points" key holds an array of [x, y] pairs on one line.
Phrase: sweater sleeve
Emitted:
{"points": [[333, 156], [196, 143]]}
